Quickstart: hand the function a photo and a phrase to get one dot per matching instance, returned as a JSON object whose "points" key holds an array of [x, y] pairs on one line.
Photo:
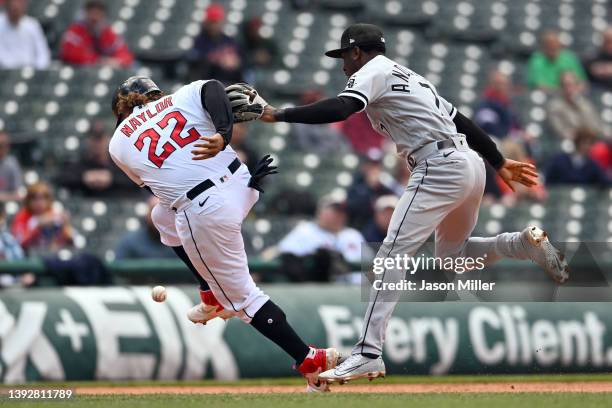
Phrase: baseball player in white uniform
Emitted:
{"points": [[209, 308], [164, 143], [446, 184]]}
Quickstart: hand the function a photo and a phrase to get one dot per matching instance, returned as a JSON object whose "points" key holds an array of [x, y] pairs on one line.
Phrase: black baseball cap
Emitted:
{"points": [[356, 35]]}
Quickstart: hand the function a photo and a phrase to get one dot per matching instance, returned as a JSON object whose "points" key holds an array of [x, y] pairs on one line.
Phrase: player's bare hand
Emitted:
{"points": [[207, 147], [519, 172], [268, 114]]}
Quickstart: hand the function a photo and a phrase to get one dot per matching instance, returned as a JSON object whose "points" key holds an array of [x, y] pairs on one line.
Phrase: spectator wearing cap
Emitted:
{"points": [[320, 138], [214, 54], [260, 52], [22, 41], [546, 66], [327, 240], [599, 66], [366, 189], [571, 110], [577, 167], [91, 40], [496, 116], [376, 229], [11, 178]]}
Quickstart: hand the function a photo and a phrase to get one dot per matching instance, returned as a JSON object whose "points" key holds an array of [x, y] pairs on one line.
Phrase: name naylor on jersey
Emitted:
{"points": [[144, 116]]}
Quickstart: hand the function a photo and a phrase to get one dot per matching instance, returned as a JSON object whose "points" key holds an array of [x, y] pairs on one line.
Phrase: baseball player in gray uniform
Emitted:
{"points": [[443, 148]]}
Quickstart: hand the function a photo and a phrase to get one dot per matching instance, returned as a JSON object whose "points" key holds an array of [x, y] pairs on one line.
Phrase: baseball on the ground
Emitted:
{"points": [[158, 293]]}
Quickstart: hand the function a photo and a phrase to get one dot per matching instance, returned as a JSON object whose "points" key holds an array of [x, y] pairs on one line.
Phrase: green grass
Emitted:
{"points": [[336, 400], [393, 379]]}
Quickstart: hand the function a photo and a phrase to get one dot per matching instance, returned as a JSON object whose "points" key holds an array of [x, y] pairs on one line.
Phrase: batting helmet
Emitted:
{"points": [[137, 84]]}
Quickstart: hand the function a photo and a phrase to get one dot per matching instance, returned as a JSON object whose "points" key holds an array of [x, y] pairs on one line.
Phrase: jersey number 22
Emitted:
{"points": [[168, 148]]}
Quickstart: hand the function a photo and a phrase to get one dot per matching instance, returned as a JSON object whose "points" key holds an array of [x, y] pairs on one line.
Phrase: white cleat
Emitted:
{"points": [[543, 253], [354, 367], [202, 313]]}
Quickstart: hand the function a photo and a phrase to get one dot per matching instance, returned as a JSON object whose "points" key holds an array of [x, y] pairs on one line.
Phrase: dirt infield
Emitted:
{"points": [[497, 387]]}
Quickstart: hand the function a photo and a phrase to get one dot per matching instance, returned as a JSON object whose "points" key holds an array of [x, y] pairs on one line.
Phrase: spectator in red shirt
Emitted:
{"points": [[359, 133], [40, 227], [92, 40], [215, 54], [601, 153]]}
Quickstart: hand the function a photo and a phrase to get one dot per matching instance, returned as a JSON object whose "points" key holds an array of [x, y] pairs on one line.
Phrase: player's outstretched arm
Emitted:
{"points": [[508, 170], [479, 140], [324, 111]]}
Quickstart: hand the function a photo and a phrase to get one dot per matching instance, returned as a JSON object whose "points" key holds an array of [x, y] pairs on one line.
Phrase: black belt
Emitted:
{"points": [[441, 145], [445, 144], [206, 184]]}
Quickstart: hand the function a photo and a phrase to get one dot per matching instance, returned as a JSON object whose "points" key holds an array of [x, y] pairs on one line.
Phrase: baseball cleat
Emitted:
{"points": [[317, 361], [208, 309], [202, 313], [543, 253], [356, 366]]}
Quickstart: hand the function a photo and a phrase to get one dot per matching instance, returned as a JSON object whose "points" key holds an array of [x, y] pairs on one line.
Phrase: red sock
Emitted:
{"points": [[209, 298]]}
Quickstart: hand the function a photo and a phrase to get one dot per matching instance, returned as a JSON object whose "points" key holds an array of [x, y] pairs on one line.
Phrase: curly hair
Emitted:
{"points": [[126, 103]]}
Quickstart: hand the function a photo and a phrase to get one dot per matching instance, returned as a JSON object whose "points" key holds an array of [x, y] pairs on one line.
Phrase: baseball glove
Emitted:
{"points": [[246, 102]]}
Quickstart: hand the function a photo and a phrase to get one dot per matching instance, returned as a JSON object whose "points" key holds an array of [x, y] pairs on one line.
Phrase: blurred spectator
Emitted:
{"points": [[240, 143], [10, 250], [327, 242], [601, 153], [360, 134], [91, 40], [376, 229], [545, 66], [22, 41], [495, 115], [577, 167], [260, 52], [214, 54], [366, 189], [38, 226], [292, 201], [143, 243], [599, 66], [95, 174], [318, 139], [11, 178], [571, 110]]}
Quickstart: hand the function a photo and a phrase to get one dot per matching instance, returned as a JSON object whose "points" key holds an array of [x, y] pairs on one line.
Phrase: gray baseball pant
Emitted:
{"points": [[443, 196]]}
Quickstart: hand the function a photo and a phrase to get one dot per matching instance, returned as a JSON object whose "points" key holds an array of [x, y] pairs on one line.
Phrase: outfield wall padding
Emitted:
{"points": [[117, 333]]}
